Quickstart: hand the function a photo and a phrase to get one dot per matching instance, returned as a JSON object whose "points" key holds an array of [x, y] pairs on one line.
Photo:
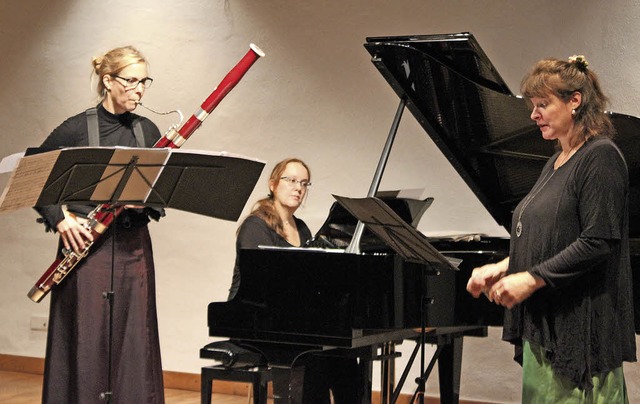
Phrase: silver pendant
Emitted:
{"points": [[518, 228]]}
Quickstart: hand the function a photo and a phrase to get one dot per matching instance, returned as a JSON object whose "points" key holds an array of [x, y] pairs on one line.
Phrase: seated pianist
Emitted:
{"points": [[314, 378]]}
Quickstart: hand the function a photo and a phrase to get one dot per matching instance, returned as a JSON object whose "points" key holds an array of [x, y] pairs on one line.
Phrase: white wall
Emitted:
{"points": [[316, 95]]}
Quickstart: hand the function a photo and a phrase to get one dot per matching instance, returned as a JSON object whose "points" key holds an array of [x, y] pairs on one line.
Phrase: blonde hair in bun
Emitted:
{"points": [[113, 62]]}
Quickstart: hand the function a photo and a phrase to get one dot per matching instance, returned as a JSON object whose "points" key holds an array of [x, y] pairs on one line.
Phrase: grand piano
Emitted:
{"points": [[336, 302]]}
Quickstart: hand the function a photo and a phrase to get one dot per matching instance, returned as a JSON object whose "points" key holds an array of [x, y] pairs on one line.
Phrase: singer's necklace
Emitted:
{"points": [[537, 190]]}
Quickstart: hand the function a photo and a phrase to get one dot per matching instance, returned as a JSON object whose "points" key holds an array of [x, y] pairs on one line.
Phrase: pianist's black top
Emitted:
{"points": [[575, 237], [255, 232]]}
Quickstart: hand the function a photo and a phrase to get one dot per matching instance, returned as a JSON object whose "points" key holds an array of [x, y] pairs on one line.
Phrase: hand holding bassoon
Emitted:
{"points": [[73, 232]]}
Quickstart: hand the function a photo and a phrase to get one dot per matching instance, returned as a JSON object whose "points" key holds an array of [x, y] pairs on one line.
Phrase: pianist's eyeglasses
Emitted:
{"points": [[292, 182]]}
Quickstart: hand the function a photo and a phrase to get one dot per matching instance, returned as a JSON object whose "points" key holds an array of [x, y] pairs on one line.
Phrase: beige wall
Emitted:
{"points": [[316, 95]]}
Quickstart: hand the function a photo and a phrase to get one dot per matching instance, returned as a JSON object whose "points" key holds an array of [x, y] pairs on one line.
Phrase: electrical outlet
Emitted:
{"points": [[39, 323]]}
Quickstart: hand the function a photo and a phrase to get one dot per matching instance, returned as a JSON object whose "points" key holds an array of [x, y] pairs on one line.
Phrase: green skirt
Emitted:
{"points": [[541, 385]]}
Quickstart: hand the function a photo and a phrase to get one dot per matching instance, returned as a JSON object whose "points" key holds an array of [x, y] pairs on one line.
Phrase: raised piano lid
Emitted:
{"points": [[456, 94]]}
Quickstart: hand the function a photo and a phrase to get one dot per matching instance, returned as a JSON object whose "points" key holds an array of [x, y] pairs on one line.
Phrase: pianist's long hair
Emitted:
{"points": [[265, 208], [564, 77]]}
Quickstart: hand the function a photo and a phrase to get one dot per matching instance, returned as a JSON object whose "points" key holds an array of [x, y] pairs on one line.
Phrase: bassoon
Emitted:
{"points": [[99, 220]]}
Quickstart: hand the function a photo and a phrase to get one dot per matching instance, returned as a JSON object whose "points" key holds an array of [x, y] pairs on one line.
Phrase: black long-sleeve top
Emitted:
{"points": [[255, 232], [575, 237], [115, 130]]}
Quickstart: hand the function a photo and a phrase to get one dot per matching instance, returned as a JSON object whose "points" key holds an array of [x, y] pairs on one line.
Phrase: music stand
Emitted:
{"points": [[406, 241], [155, 177], [412, 246], [169, 178]]}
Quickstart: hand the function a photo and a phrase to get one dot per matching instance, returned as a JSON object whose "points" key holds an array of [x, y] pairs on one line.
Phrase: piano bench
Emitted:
{"points": [[259, 377]]}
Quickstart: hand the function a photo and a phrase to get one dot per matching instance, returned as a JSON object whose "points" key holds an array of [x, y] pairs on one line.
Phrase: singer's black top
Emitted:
{"points": [[575, 237]]}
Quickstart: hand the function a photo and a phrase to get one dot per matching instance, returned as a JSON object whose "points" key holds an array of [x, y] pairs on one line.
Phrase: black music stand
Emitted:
{"points": [[412, 246], [216, 185], [405, 240], [211, 184]]}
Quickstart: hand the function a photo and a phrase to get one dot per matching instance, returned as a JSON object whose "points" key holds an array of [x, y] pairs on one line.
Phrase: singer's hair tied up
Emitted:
{"points": [[580, 61]]}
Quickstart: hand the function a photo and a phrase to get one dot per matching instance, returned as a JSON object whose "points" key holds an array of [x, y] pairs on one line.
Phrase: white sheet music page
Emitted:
{"points": [[27, 180]]}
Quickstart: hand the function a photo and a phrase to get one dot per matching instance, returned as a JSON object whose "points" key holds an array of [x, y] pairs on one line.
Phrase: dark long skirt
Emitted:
{"points": [[77, 359]]}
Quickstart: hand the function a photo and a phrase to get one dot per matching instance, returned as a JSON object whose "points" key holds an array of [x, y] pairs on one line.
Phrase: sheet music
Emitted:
{"points": [[149, 165], [27, 180], [9, 163], [163, 177]]}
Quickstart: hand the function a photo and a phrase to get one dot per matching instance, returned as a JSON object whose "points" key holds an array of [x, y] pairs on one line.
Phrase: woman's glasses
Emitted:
{"points": [[293, 182], [132, 82]]}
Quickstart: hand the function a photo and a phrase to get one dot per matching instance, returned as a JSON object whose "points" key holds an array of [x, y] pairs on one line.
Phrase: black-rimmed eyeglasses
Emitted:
{"points": [[132, 82], [292, 182]]}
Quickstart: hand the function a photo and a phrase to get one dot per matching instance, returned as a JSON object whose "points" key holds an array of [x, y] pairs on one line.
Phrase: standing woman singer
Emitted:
{"points": [[567, 280]]}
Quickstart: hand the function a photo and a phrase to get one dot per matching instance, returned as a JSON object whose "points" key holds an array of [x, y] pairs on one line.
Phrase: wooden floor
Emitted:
{"points": [[26, 388]]}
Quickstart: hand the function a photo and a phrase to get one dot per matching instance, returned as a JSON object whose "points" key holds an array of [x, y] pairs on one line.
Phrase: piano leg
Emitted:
{"points": [[365, 375], [449, 369], [449, 341], [388, 372], [448, 356], [285, 390], [349, 380]]}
